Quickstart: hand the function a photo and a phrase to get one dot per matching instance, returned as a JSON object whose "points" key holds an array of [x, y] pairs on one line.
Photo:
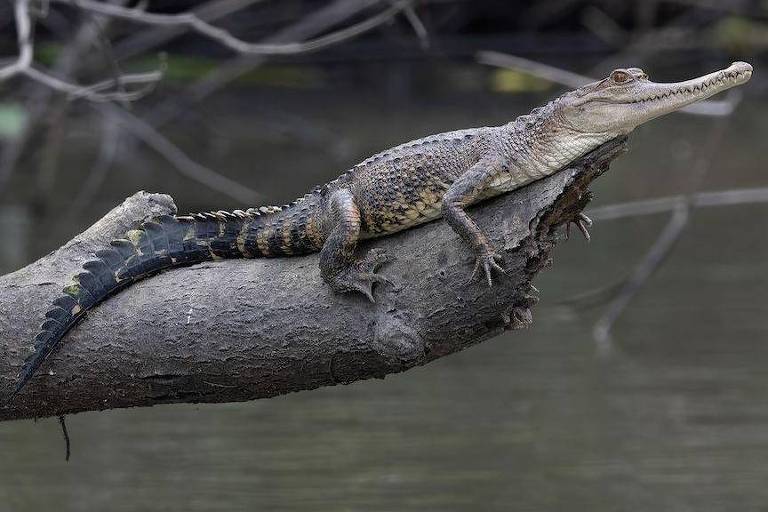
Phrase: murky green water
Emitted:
{"points": [[676, 418]]}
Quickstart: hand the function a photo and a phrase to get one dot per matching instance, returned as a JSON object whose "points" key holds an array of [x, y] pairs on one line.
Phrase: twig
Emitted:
{"points": [[316, 23], [23, 66], [665, 204], [94, 92], [180, 160], [650, 263], [65, 433], [575, 80], [23, 36], [40, 97], [147, 39], [603, 26], [418, 26], [605, 294], [108, 148], [223, 37], [661, 248], [550, 73]]}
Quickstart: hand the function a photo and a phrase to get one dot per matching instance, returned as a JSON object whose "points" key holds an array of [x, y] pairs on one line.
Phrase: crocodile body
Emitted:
{"points": [[410, 184]]}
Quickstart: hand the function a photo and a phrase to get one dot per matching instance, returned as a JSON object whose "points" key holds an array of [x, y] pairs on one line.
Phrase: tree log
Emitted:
{"points": [[244, 329]]}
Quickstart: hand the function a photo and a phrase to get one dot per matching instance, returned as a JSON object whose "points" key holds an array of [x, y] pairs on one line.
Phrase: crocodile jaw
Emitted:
{"points": [[613, 108], [656, 99]]}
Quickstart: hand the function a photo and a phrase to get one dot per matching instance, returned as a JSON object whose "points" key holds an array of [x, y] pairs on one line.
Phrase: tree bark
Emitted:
{"points": [[244, 329]]}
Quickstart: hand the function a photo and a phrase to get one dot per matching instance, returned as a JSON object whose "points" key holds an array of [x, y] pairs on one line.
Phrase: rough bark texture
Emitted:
{"points": [[245, 329]]}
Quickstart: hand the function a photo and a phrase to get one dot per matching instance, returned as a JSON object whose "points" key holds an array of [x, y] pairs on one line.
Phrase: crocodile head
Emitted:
{"points": [[617, 104]]}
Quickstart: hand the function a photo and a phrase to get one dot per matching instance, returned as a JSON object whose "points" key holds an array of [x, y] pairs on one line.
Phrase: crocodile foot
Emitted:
{"points": [[582, 222], [489, 261], [361, 276]]}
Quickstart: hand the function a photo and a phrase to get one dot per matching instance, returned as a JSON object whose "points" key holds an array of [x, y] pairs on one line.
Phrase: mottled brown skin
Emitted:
{"points": [[439, 175]]}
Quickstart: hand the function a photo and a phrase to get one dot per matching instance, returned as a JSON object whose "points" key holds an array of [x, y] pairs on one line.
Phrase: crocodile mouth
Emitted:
{"points": [[737, 74]]}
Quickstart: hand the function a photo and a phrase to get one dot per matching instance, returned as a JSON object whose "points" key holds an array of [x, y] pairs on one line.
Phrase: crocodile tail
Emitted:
{"points": [[161, 243]]}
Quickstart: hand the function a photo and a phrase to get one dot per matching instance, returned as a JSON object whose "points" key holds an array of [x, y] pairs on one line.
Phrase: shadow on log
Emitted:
{"points": [[244, 329]]}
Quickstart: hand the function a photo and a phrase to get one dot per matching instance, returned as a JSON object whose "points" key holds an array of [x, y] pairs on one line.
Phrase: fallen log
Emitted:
{"points": [[240, 330]]}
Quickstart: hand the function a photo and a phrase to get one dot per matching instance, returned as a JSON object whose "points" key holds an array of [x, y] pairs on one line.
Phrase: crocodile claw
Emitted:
{"points": [[582, 222], [489, 261], [363, 283], [362, 275]]}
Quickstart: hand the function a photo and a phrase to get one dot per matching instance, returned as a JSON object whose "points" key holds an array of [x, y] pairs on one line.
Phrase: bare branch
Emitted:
{"points": [[108, 149], [226, 39], [665, 204], [550, 73], [180, 160], [24, 38], [40, 99], [315, 23], [603, 26], [418, 26], [23, 66], [94, 92], [608, 293], [662, 247], [640, 275], [147, 39]]}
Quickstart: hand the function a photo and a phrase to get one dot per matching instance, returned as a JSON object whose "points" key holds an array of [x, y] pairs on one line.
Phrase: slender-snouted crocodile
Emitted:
{"points": [[399, 188]]}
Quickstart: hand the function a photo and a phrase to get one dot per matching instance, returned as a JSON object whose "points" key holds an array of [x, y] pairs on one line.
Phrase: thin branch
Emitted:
{"points": [[145, 40], [418, 26], [223, 37], [603, 26], [23, 66], [24, 38], [640, 275], [108, 150], [40, 99], [665, 204], [556, 75], [544, 71], [180, 160], [94, 92], [605, 294], [315, 23], [662, 247]]}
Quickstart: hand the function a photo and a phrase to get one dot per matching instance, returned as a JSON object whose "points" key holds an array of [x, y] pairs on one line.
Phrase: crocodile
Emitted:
{"points": [[416, 182]]}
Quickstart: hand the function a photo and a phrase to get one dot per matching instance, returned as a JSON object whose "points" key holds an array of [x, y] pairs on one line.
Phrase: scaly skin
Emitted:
{"points": [[439, 175]]}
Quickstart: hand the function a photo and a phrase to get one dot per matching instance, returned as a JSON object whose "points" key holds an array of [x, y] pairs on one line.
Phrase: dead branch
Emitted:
{"points": [[662, 246], [315, 23], [145, 40], [240, 330], [41, 100], [223, 37], [643, 271], [665, 204], [176, 157], [25, 67]]}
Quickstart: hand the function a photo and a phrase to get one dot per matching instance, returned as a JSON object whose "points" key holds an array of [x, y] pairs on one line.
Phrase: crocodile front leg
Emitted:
{"points": [[466, 190], [338, 265]]}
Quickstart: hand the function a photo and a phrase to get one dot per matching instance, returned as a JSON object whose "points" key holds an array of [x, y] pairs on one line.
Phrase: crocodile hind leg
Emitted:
{"points": [[338, 265]]}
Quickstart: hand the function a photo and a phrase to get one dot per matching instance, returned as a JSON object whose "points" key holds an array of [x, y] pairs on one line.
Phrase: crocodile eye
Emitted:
{"points": [[619, 76]]}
